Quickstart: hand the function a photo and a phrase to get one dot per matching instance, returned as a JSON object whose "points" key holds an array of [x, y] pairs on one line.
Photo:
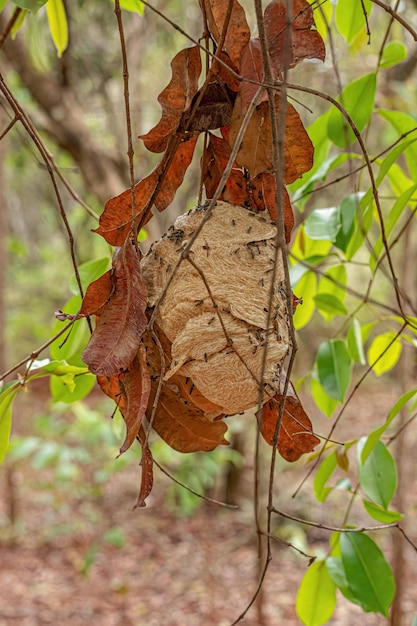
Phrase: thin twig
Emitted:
{"points": [[338, 529]]}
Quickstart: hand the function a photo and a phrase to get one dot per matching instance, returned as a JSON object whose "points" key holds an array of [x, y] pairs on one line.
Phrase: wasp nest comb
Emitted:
{"points": [[215, 309]]}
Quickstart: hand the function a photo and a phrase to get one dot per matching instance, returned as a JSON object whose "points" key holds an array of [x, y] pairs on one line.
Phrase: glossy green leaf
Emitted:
{"points": [[355, 343], [6, 402], [330, 305], [394, 52], [393, 217], [337, 574], [375, 435], [334, 368], [347, 211], [403, 123], [316, 597], [368, 575], [323, 474], [331, 292], [378, 474], [361, 224], [88, 272], [132, 5], [325, 403], [58, 24], [306, 289], [323, 18], [357, 100], [384, 352], [323, 224], [350, 19], [29, 5], [381, 514], [71, 388], [18, 23]]}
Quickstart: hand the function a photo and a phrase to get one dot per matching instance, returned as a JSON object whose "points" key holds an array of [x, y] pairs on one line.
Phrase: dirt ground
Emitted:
{"points": [[166, 570]]}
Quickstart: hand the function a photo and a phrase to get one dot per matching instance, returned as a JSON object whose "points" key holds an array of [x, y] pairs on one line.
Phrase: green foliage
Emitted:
{"points": [[316, 596]]}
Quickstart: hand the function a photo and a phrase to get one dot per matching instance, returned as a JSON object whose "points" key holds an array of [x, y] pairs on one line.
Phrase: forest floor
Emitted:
{"points": [[71, 559]]}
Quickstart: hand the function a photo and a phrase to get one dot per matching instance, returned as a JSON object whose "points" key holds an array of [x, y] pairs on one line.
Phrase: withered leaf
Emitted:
{"points": [[116, 338], [183, 426], [113, 388], [116, 219], [175, 98], [137, 386], [214, 110], [252, 69], [306, 43], [147, 470], [256, 151], [223, 74], [238, 32], [214, 161], [295, 436], [263, 198], [97, 294]]}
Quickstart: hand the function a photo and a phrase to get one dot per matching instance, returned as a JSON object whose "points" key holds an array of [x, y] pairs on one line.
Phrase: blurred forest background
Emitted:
{"points": [[71, 548]]}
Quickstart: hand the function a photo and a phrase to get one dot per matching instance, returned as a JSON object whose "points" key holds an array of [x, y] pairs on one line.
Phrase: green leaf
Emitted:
{"points": [[306, 290], [358, 101], [6, 402], [71, 388], [403, 123], [329, 304], [332, 284], [347, 211], [337, 574], [350, 19], [2, 4], [355, 343], [368, 575], [393, 217], [334, 368], [323, 474], [375, 435], [316, 597], [394, 52], [381, 514], [361, 225], [389, 346], [378, 474], [18, 23], [132, 5], [88, 272], [29, 5], [325, 403], [323, 224], [58, 24]]}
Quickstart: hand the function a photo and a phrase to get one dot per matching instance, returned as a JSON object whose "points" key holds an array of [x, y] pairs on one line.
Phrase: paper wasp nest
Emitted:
{"points": [[214, 311]]}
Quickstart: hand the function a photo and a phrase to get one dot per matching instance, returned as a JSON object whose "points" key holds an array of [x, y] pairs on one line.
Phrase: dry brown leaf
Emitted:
{"points": [[251, 69], [185, 427], [112, 387], [214, 161], [175, 98], [238, 32], [116, 338], [214, 110], [97, 294], [137, 386], [306, 43], [263, 198], [256, 151], [147, 470], [116, 220], [295, 436]]}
